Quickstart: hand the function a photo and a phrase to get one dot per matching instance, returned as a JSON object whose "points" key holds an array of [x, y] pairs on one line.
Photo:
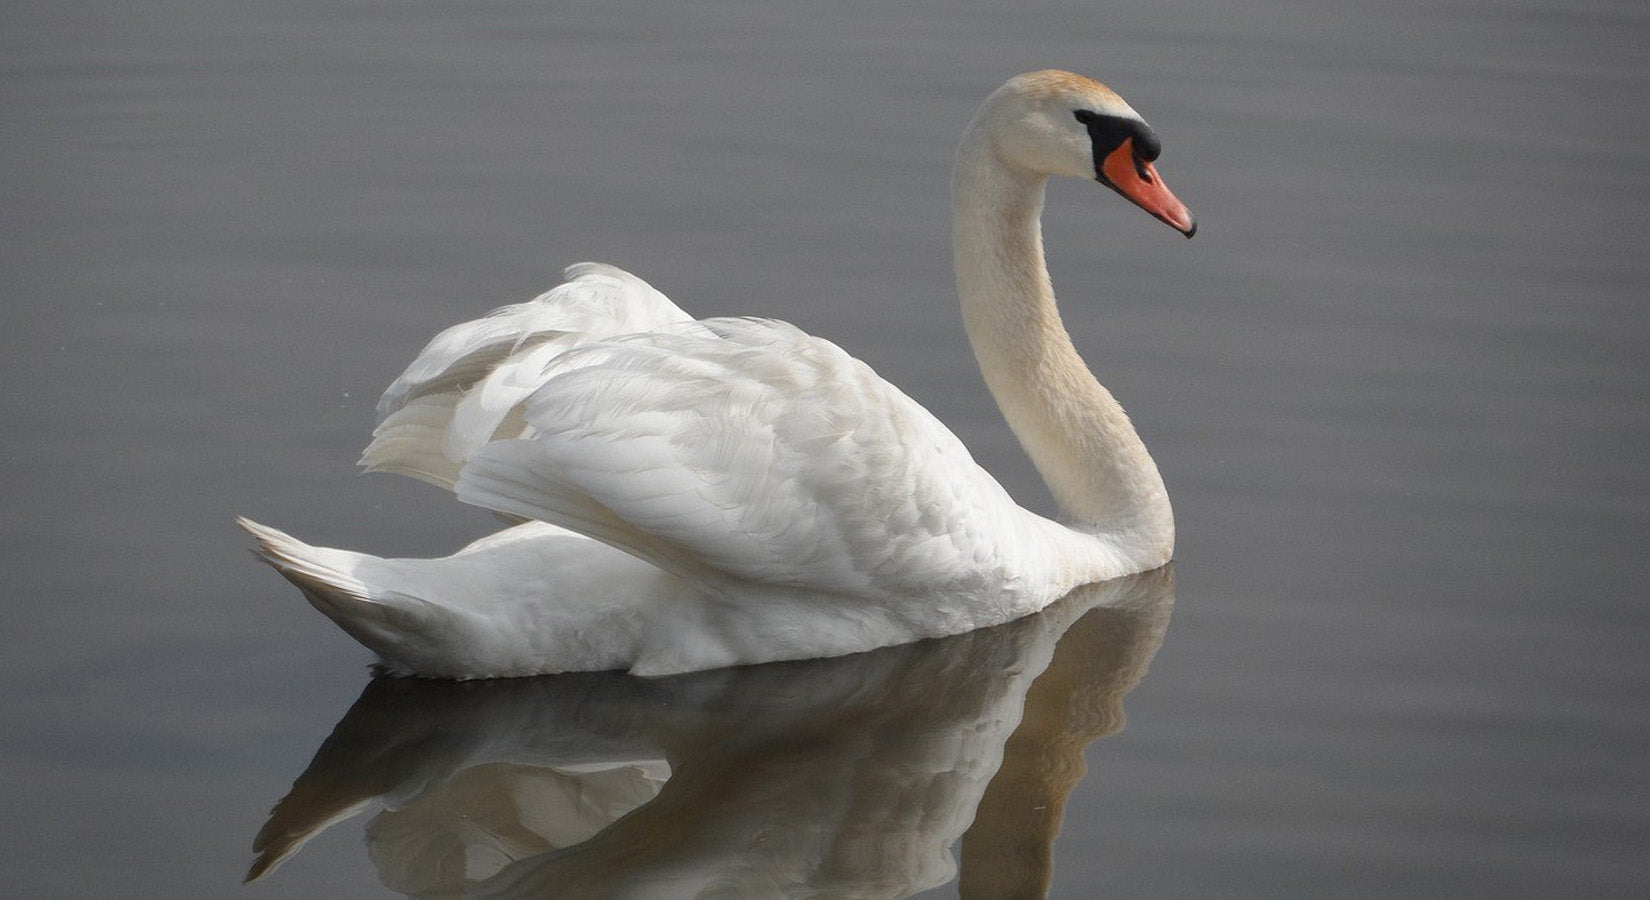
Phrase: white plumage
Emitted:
{"points": [[731, 491]]}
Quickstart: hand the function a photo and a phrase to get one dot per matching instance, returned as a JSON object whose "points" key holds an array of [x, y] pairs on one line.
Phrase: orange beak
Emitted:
{"points": [[1138, 180]]}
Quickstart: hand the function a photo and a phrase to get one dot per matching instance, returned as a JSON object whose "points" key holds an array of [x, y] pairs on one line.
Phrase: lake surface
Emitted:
{"points": [[1399, 387]]}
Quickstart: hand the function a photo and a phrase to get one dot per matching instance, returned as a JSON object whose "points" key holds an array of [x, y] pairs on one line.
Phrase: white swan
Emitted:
{"points": [[754, 493]]}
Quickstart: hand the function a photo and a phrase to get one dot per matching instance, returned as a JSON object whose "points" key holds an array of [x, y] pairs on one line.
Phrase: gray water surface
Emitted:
{"points": [[1399, 387]]}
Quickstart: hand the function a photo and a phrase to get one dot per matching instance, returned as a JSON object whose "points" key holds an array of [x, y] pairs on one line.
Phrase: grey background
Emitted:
{"points": [[1398, 386]]}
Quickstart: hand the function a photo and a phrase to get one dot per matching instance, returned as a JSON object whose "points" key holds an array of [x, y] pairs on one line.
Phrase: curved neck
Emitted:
{"points": [[1072, 428]]}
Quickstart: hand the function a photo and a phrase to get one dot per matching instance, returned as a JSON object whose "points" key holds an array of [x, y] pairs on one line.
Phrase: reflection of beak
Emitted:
{"points": [[1138, 180]]}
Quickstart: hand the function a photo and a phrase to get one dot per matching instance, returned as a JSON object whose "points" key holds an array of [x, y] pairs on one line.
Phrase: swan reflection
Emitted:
{"points": [[848, 777]]}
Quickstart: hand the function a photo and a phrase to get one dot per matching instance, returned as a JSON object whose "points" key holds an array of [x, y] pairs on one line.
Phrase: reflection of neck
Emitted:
{"points": [[1008, 852], [1072, 428]]}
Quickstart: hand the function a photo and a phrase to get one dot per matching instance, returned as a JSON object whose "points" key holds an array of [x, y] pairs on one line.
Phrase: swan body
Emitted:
{"points": [[703, 493]]}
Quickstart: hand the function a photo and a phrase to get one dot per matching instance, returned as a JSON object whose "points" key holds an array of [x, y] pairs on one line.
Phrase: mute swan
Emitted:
{"points": [[730, 491]]}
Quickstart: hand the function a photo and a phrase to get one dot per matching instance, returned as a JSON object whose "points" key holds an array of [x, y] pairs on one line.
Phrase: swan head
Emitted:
{"points": [[1057, 123]]}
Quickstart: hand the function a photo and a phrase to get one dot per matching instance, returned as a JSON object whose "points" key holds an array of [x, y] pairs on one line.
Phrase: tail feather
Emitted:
{"points": [[311, 568], [389, 622]]}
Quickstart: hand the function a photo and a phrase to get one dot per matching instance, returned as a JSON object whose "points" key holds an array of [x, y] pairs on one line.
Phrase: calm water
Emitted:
{"points": [[1399, 386]]}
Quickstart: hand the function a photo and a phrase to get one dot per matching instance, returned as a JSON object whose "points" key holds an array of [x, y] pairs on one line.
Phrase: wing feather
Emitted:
{"points": [[410, 441], [512, 478], [722, 451], [756, 450], [466, 383]]}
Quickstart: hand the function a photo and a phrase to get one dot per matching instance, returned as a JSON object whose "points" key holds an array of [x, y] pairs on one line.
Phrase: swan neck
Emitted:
{"points": [[1075, 432]]}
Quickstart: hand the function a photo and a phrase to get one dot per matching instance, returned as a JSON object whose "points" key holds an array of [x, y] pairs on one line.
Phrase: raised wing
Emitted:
{"points": [[747, 450], [460, 390]]}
